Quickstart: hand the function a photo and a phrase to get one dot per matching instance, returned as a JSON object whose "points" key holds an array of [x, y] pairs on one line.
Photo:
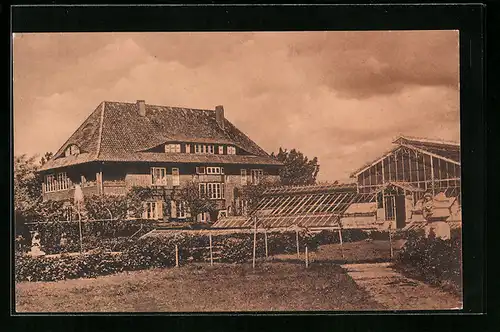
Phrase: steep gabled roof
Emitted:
{"points": [[115, 131], [446, 150]]}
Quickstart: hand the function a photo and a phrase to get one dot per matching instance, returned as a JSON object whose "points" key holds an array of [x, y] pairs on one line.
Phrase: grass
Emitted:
{"points": [[276, 286]]}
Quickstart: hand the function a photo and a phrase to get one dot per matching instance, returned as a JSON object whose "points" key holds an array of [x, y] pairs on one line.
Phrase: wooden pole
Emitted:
{"points": [[265, 241], [80, 229], [390, 240], [254, 241], [176, 256], [297, 240], [211, 255], [307, 258], [341, 243]]}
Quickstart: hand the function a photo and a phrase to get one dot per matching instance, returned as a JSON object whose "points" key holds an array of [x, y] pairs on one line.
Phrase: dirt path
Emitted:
{"points": [[397, 292]]}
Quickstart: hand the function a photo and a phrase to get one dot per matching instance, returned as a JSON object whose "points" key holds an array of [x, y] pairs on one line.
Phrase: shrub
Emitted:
{"points": [[157, 252], [433, 260]]}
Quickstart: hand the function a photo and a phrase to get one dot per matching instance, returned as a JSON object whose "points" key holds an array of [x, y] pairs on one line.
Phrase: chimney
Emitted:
{"points": [[219, 115], [141, 105]]}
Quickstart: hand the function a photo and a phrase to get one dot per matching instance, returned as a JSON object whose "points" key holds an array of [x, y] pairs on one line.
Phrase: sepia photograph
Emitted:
{"points": [[176, 172]]}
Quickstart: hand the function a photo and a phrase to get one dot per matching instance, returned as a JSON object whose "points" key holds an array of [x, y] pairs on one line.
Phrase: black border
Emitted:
{"points": [[469, 19]]}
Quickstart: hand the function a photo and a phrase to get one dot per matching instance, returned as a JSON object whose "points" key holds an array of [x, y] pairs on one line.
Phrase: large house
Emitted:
{"points": [[121, 145]]}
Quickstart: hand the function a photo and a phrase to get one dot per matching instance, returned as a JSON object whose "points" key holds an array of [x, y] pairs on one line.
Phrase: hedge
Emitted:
{"points": [[436, 261], [157, 252]]}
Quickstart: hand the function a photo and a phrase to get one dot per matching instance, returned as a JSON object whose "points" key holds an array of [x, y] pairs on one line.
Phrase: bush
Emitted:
{"points": [[434, 260], [96, 234], [157, 252]]}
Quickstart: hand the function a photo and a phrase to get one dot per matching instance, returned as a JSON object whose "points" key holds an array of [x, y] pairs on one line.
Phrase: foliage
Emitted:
{"points": [[196, 202], [434, 260], [252, 193], [27, 182], [105, 235], [46, 157], [298, 169], [154, 252]]}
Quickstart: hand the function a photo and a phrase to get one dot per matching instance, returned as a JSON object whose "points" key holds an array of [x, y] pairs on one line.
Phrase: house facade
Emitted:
{"points": [[122, 145], [413, 168]]}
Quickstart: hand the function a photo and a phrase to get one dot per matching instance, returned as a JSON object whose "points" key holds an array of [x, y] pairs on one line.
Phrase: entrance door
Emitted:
{"points": [[400, 211]]}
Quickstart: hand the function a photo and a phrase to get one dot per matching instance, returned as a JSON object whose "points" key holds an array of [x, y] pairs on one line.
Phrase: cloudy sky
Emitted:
{"points": [[340, 96]]}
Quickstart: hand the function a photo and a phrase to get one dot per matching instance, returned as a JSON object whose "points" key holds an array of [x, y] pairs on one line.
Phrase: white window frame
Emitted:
{"points": [[221, 149], [188, 148], [210, 149], [214, 170], [172, 148], [231, 150], [163, 180], [199, 168], [203, 217], [181, 210], [244, 178], [256, 175], [215, 190], [176, 176], [153, 210], [204, 186]]}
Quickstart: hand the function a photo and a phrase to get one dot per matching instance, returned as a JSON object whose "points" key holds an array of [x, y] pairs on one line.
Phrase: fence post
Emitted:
{"points": [[211, 255], [254, 241], [265, 241], [176, 256], [341, 243], [307, 258], [297, 240], [390, 240]]}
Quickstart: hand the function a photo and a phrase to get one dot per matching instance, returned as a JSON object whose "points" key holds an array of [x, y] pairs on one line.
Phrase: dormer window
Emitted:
{"points": [[231, 150], [204, 149], [71, 150], [172, 148]]}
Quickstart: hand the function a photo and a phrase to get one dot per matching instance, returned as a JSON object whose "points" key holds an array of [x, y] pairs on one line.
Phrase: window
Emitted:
{"points": [[203, 189], [159, 176], [172, 148], [71, 150], [175, 177], [256, 175], [243, 176], [211, 149], [215, 170], [153, 210], [203, 216], [57, 182], [181, 210], [215, 190], [200, 170], [188, 148], [221, 149], [231, 150]]}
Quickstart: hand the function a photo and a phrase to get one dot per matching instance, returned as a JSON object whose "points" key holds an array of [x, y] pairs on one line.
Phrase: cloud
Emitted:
{"points": [[339, 96]]}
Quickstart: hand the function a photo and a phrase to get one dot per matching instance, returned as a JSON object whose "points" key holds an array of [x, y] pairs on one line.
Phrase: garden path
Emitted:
{"points": [[391, 289]]}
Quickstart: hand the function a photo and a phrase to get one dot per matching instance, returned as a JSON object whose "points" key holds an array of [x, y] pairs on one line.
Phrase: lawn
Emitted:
{"points": [[272, 286]]}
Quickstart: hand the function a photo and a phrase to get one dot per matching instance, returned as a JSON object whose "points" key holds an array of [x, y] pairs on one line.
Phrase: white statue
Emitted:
{"points": [[35, 245], [436, 210]]}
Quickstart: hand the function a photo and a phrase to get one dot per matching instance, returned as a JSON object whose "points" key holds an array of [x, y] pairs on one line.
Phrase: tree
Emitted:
{"points": [[252, 193], [196, 202], [46, 157], [298, 169], [27, 182]]}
